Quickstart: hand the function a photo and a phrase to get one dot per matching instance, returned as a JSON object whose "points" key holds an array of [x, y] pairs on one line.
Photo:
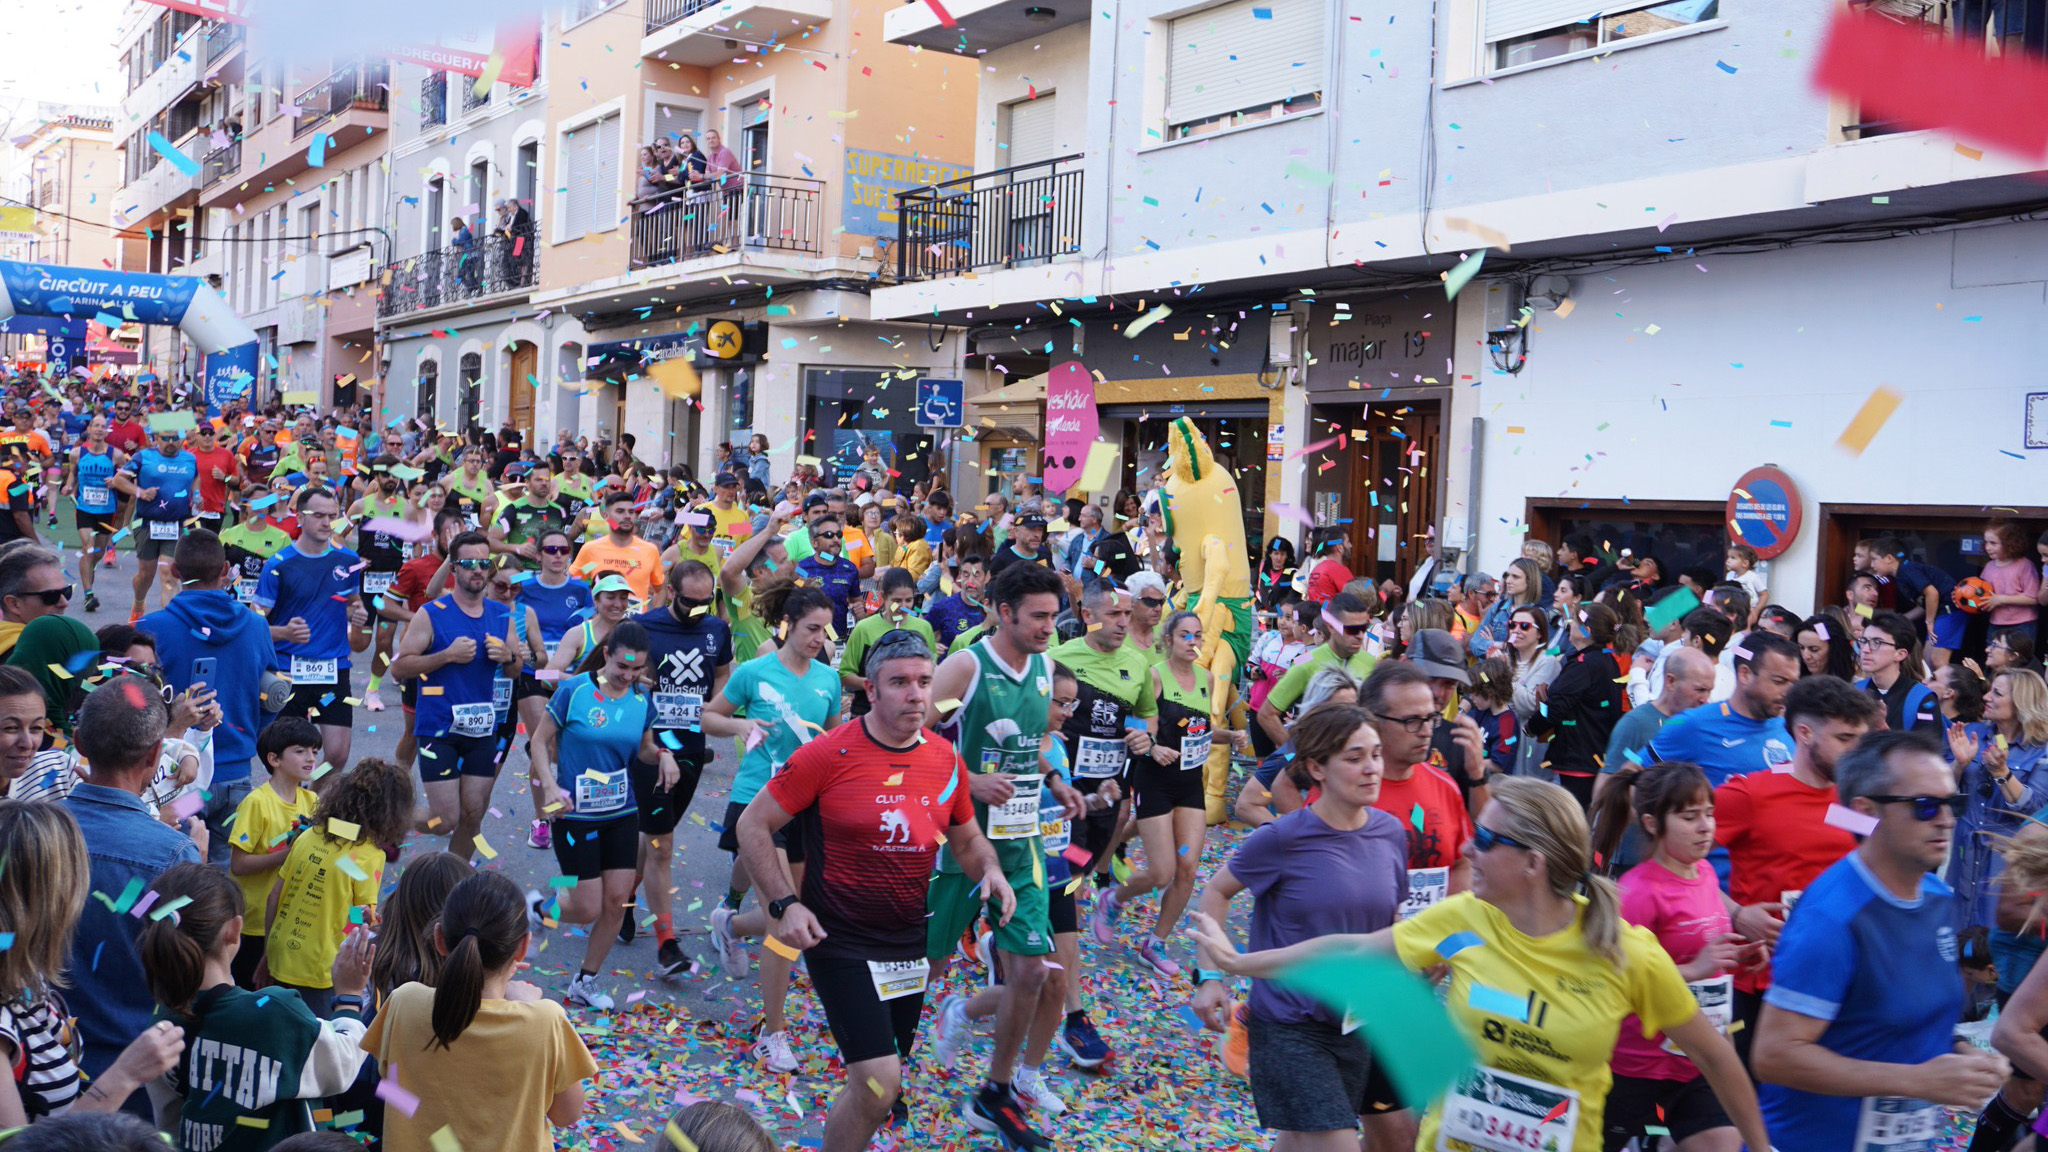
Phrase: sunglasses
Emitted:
{"points": [[1485, 839], [477, 565], [52, 595], [1152, 601], [1927, 807], [1520, 625], [1357, 629], [825, 535], [895, 634], [554, 549], [501, 586]]}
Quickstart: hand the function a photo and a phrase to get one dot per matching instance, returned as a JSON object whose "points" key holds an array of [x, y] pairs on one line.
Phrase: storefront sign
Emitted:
{"points": [[1764, 511], [1380, 342], [1071, 423], [874, 178], [1276, 441]]}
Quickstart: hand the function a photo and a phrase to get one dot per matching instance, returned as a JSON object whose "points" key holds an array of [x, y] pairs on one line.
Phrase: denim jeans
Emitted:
{"points": [[219, 815]]}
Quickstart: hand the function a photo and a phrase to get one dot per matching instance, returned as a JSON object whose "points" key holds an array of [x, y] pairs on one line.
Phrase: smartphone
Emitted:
{"points": [[203, 671]]}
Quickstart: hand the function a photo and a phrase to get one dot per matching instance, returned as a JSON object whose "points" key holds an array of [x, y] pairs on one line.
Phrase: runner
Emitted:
{"points": [[1148, 605], [1543, 991], [788, 696], [250, 543], [897, 588], [160, 478], [87, 481], [1115, 721], [611, 598], [621, 551], [1344, 622], [750, 562], [383, 555], [470, 491], [962, 609], [691, 654], [306, 591], [545, 606], [870, 799], [220, 476], [538, 509], [1334, 866], [420, 579], [1396, 694], [828, 566], [1855, 1046], [455, 646]]}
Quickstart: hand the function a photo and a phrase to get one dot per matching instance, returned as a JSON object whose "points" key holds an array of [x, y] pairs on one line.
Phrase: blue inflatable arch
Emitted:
{"points": [[201, 313]]}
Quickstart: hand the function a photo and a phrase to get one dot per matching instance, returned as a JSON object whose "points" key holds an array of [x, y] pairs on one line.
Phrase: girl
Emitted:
{"points": [[1959, 693], [42, 893], [1171, 808], [490, 1058], [1564, 608], [788, 695], [1673, 896], [1742, 569], [1275, 651], [1519, 586], [1583, 703], [1544, 917], [2002, 775], [1491, 701], [2010, 648], [335, 869], [187, 956], [582, 753], [1825, 649], [2015, 581], [406, 928], [1276, 572], [1420, 614], [1338, 865]]}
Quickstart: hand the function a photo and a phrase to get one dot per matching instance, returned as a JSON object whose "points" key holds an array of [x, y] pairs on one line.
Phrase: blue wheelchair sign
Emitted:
{"points": [[940, 403]]}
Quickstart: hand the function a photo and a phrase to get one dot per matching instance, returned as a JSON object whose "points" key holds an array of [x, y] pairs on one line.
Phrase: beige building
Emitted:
{"points": [[60, 161]]}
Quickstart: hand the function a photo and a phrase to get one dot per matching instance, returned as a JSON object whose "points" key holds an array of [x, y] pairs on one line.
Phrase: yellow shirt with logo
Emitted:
{"points": [[323, 878], [261, 821]]}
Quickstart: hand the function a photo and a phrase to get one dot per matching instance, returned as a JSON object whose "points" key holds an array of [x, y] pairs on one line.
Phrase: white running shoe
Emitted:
{"points": [[372, 701], [1032, 1089], [773, 1051], [584, 990], [951, 1031], [732, 951]]}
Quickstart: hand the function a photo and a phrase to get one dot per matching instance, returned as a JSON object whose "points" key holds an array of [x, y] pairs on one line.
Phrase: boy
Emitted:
{"points": [[266, 822]]}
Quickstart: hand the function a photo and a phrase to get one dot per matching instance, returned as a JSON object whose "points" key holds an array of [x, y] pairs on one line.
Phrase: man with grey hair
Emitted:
{"points": [[1076, 555], [1857, 1031], [32, 584], [1688, 681], [120, 734]]}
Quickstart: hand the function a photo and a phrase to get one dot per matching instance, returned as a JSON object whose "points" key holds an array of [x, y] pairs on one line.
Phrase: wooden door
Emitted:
{"points": [[525, 361], [1395, 489]]}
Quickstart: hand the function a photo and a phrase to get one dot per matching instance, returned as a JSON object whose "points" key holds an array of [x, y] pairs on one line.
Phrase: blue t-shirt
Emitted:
{"points": [[94, 468], [172, 476], [315, 587], [839, 580], [1914, 578], [795, 708], [557, 608], [1881, 971], [1722, 741], [1055, 831], [949, 616], [462, 703], [599, 735]]}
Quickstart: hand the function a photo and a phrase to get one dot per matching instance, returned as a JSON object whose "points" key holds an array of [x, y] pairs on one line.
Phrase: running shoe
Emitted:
{"points": [[92, 601], [1081, 1042], [1152, 954], [951, 1031], [732, 951], [1235, 1047], [773, 1052], [584, 990], [670, 957], [986, 942], [541, 835], [998, 1111], [373, 701], [899, 1113], [969, 946], [536, 911], [1103, 919], [627, 928], [1031, 1088], [135, 614]]}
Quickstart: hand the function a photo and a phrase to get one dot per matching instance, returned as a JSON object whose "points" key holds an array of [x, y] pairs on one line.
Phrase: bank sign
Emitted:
{"points": [[874, 178]]}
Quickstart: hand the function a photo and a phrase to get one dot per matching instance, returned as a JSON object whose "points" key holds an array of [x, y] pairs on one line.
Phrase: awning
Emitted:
{"points": [[1029, 390]]}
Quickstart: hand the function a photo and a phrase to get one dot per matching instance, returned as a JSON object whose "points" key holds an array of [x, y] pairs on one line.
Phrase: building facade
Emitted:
{"points": [[59, 162]]}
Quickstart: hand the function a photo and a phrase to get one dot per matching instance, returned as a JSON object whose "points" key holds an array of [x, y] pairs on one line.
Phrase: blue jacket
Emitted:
{"points": [[207, 623], [1917, 707], [1493, 627]]}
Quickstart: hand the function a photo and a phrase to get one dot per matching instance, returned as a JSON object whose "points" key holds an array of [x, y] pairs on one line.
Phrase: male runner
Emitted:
{"points": [[383, 555], [308, 591], [88, 480], [620, 551], [220, 474], [518, 527], [160, 478]]}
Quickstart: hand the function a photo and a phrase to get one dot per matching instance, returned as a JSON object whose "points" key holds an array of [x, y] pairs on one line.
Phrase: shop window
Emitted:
{"points": [[847, 407]]}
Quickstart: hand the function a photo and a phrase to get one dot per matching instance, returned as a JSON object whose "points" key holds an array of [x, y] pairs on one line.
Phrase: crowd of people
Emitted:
{"points": [[970, 733]]}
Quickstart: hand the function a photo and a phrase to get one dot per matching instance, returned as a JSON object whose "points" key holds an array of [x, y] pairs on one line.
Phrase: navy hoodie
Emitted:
{"points": [[210, 624]]}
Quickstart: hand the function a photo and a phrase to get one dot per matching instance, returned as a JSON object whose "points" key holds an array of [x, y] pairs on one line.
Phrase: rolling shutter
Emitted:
{"points": [[604, 207], [674, 120], [580, 146], [1031, 132], [1507, 19], [1244, 54]]}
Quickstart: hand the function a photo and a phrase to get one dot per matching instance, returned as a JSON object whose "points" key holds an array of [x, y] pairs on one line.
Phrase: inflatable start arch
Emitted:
{"points": [[202, 314]]}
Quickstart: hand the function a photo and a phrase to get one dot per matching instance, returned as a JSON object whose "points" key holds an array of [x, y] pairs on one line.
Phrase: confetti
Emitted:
{"points": [[1869, 419]]}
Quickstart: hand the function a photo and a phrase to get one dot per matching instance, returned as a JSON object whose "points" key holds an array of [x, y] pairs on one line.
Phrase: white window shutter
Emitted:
{"points": [[581, 148], [1031, 132], [674, 120], [604, 209], [1229, 58], [1507, 19]]}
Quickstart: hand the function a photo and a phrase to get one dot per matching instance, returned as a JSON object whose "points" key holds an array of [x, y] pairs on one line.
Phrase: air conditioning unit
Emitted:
{"points": [[1280, 337]]}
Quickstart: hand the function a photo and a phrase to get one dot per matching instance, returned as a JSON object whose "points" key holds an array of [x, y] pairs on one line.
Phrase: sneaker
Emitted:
{"points": [[536, 914], [1081, 1042], [670, 957], [970, 948], [773, 1052], [92, 602], [899, 1113], [950, 1031], [1234, 1049], [732, 951], [1103, 919], [1031, 1088], [1152, 954], [135, 614], [372, 701], [986, 942], [627, 927], [584, 990], [997, 1110], [541, 835]]}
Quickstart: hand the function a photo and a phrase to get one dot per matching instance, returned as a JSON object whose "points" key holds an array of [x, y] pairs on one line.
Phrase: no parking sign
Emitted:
{"points": [[1764, 511]]}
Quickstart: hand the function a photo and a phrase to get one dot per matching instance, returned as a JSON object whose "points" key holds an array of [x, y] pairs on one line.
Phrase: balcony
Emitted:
{"points": [[348, 106], [2010, 28], [772, 213], [222, 39], [159, 185], [696, 31], [179, 74], [484, 269], [434, 100], [979, 25], [222, 163], [354, 87], [1010, 218]]}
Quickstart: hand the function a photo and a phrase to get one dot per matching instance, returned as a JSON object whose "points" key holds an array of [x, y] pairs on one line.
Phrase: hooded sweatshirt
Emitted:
{"points": [[209, 624]]}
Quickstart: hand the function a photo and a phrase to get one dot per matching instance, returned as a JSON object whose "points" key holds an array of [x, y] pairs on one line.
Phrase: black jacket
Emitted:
{"points": [[1585, 702]]}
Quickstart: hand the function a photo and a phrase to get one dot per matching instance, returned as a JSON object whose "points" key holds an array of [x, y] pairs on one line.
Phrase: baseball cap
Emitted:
{"points": [[1438, 653], [613, 582], [724, 479], [816, 500], [1030, 520]]}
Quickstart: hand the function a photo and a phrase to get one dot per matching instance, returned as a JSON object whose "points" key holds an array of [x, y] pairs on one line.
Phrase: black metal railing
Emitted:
{"points": [[784, 213], [222, 39], [434, 99], [1010, 218], [356, 86], [222, 163], [662, 13], [494, 264], [2012, 26], [471, 98]]}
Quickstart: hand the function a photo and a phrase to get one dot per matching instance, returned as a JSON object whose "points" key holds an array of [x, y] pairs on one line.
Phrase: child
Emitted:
{"points": [[489, 1057], [405, 932], [1491, 699], [1742, 570], [334, 868], [188, 957], [266, 822], [912, 551], [715, 1126]]}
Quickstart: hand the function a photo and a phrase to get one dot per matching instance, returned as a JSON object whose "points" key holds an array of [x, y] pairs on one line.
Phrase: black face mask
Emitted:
{"points": [[686, 603]]}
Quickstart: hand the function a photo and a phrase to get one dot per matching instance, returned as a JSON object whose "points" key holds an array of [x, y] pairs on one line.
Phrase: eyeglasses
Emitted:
{"points": [[554, 549], [52, 596], [1928, 807], [1485, 839], [504, 586], [1422, 723], [475, 565], [1152, 601], [1068, 704], [1999, 647], [1875, 643]]}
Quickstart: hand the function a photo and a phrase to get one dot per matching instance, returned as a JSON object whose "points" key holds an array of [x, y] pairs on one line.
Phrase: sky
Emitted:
{"points": [[62, 50]]}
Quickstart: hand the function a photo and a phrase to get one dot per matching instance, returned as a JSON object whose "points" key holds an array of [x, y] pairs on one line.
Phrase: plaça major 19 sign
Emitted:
{"points": [[1764, 511]]}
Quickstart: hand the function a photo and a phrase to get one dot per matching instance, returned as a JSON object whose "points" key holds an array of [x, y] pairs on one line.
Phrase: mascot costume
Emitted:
{"points": [[1205, 519]]}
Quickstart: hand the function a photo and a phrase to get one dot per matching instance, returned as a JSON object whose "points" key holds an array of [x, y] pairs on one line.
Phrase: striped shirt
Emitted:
{"points": [[44, 1069]]}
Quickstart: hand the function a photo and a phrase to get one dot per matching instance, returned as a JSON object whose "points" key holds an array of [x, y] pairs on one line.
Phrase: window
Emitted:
{"points": [[429, 384], [1526, 31], [479, 192], [739, 405], [675, 121], [592, 155], [471, 376], [1244, 61], [584, 9], [754, 135], [1028, 132], [437, 215], [526, 173]]}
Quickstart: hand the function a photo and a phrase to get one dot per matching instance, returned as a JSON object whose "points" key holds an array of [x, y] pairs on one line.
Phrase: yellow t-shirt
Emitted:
{"points": [[492, 1087], [734, 523], [639, 562], [324, 877], [261, 821], [1574, 1002]]}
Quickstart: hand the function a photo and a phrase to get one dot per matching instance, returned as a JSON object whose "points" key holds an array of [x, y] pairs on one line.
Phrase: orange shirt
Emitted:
{"points": [[639, 563]]}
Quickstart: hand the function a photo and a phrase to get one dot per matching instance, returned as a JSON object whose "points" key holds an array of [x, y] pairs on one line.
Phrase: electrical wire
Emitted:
{"points": [[377, 228]]}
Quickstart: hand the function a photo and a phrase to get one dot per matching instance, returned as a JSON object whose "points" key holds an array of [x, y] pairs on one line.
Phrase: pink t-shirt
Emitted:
{"points": [[2013, 578], [1685, 915]]}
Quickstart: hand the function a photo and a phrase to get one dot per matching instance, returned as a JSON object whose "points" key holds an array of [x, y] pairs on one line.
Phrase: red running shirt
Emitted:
{"points": [[1778, 839]]}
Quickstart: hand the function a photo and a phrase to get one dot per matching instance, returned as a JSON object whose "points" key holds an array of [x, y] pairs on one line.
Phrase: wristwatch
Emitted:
{"points": [[351, 1000], [777, 907]]}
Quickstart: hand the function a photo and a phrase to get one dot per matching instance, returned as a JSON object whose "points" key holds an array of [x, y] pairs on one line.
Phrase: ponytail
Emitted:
{"points": [[1547, 819], [483, 927], [1612, 815], [192, 906], [1603, 918]]}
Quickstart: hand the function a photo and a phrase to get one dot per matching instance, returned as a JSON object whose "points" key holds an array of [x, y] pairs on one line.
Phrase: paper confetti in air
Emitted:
{"points": [[1456, 279], [1864, 426], [1851, 821], [1390, 1002]]}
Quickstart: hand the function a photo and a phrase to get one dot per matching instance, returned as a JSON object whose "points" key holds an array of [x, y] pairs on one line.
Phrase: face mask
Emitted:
{"points": [[689, 602], [827, 557]]}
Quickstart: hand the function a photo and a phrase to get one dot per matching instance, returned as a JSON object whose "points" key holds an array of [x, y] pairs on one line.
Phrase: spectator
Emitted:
{"points": [[1890, 651], [32, 584], [1584, 703], [2002, 775], [715, 1126], [335, 865], [1520, 583], [1276, 573], [1328, 572], [1826, 648]]}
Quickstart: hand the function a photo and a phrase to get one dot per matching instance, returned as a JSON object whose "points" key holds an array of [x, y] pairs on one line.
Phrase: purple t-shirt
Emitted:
{"points": [[1308, 879]]}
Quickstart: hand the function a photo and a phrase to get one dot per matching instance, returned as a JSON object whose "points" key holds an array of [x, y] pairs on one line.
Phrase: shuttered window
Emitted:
{"points": [[592, 152], [1506, 19], [1031, 137], [1244, 55], [675, 120]]}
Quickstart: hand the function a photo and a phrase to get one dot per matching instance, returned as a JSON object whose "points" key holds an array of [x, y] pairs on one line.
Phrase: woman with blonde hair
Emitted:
{"points": [[2004, 779], [1521, 586], [1536, 919]]}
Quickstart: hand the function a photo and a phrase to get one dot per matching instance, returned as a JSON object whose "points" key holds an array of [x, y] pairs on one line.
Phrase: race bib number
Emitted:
{"points": [[473, 720], [1056, 834], [1099, 758], [600, 792], [1898, 1124], [501, 693], [1426, 886], [1194, 747], [164, 529], [1717, 1003], [895, 979], [377, 583], [1017, 817], [1497, 1111], [678, 709], [306, 671], [245, 591], [95, 496]]}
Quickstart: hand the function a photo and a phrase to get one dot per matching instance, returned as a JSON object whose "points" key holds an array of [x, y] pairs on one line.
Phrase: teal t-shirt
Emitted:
{"points": [[599, 735], [795, 707]]}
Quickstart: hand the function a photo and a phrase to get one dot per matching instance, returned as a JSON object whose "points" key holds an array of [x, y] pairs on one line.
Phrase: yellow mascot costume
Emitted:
{"points": [[1204, 516]]}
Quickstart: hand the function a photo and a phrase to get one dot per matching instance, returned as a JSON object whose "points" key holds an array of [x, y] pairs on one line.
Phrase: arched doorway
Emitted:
{"points": [[523, 364]]}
